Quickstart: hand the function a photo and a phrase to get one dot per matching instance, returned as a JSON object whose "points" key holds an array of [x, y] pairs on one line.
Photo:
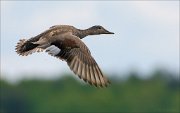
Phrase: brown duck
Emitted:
{"points": [[64, 42]]}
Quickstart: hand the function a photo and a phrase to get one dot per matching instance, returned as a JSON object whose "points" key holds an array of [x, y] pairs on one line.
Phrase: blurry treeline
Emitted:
{"points": [[159, 93]]}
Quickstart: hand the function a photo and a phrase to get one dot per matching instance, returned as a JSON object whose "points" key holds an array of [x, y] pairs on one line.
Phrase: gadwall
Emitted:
{"points": [[64, 42]]}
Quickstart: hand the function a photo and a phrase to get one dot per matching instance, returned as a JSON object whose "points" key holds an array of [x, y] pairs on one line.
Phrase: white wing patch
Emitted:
{"points": [[53, 50]]}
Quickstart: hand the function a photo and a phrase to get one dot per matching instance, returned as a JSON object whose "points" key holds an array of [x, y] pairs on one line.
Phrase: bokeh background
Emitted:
{"points": [[141, 59]]}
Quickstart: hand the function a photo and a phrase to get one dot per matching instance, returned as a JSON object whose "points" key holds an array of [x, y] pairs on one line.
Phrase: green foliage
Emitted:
{"points": [[156, 94]]}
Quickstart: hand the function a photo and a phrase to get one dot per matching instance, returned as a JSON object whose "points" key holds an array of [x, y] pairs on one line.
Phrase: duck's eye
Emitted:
{"points": [[99, 27]]}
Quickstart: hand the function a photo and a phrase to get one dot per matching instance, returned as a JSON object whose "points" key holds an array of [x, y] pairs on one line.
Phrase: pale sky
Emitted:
{"points": [[146, 35]]}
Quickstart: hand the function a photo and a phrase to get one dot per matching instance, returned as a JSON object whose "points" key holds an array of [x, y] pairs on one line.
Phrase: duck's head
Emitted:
{"points": [[97, 29]]}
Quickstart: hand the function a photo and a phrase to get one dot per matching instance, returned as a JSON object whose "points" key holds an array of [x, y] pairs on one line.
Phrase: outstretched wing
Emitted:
{"points": [[80, 61]]}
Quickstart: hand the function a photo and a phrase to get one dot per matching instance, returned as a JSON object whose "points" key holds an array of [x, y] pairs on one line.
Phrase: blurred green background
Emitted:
{"points": [[159, 93]]}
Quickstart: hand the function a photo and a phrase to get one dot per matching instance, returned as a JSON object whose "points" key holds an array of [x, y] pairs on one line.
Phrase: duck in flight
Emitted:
{"points": [[64, 42]]}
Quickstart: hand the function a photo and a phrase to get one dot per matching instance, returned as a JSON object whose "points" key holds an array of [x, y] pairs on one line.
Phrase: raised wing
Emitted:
{"points": [[80, 61]]}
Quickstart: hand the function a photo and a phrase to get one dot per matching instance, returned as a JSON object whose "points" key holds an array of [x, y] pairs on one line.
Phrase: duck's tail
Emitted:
{"points": [[25, 47]]}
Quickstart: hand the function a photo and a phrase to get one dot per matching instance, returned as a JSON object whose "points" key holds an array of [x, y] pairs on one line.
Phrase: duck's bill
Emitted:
{"points": [[108, 32]]}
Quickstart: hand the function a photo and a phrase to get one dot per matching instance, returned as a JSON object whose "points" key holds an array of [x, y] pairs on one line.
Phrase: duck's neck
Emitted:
{"points": [[86, 32]]}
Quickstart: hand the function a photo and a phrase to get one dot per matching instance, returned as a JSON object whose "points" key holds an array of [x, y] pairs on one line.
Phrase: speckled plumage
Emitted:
{"points": [[64, 42]]}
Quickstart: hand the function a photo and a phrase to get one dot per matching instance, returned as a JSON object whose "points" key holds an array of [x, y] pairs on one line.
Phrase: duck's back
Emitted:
{"points": [[24, 46]]}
